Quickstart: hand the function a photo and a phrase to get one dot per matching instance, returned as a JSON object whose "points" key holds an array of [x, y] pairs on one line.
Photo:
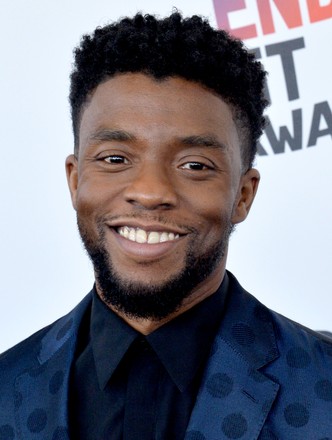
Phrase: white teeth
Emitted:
{"points": [[154, 237], [141, 236], [132, 235], [163, 237]]}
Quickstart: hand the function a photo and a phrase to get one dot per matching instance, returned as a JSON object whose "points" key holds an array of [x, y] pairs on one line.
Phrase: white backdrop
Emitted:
{"points": [[282, 253]]}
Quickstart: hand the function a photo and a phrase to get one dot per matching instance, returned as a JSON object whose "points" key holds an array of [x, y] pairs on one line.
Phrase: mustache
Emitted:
{"points": [[163, 220]]}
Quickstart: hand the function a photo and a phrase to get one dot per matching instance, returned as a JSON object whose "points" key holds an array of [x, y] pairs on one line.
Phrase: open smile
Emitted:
{"points": [[143, 236], [150, 241]]}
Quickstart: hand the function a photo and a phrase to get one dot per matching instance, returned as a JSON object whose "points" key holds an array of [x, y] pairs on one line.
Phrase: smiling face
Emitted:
{"points": [[157, 186]]}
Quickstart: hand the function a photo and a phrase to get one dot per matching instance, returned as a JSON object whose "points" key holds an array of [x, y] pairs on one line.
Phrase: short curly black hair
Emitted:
{"points": [[174, 46]]}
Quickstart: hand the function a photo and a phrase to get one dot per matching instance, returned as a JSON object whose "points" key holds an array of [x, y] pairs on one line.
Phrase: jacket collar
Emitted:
{"points": [[236, 396], [248, 327]]}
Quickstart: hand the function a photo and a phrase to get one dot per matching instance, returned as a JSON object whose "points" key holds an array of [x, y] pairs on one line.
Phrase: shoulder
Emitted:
{"points": [[303, 347], [244, 306], [23, 355], [14, 363], [40, 346], [264, 337], [295, 359]]}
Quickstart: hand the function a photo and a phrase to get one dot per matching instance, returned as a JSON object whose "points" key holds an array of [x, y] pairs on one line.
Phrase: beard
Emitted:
{"points": [[140, 300]]}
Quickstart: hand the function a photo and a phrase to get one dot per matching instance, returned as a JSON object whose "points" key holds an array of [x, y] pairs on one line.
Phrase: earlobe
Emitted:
{"points": [[72, 177], [246, 195]]}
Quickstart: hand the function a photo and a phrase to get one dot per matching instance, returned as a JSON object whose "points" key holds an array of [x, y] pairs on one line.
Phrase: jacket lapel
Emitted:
{"points": [[42, 392], [236, 397]]}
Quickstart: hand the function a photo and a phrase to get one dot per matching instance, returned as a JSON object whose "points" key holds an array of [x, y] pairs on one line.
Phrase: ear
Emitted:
{"points": [[72, 177], [246, 194]]}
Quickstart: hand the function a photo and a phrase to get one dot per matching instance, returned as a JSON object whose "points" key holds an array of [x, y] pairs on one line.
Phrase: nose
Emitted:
{"points": [[151, 188]]}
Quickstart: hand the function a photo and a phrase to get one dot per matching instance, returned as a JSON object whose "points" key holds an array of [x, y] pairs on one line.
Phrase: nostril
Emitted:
{"points": [[149, 204], [150, 197]]}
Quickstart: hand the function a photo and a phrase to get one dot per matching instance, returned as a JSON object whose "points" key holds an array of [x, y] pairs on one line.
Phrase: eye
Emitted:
{"points": [[115, 159], [195, 166]]}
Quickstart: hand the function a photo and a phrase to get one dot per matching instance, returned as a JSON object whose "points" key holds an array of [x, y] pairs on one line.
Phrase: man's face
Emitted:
{"points": [[157, 187]]}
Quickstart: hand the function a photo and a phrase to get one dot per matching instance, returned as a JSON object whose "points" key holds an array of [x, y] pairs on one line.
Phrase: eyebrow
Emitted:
{"points": [[209, 141], [111, 135]]}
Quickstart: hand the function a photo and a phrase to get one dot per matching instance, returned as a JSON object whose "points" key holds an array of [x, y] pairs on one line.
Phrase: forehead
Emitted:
{"points": [[163, 109]]}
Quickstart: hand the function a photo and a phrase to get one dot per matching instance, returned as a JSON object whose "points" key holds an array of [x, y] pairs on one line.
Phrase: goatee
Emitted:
{"points": [[144, 300]]}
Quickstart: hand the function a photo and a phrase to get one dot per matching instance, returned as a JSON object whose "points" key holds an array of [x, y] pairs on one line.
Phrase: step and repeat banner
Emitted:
{"points": [[281, 253]]}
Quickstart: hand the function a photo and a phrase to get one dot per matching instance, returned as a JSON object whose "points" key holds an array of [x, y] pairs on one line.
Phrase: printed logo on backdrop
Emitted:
{"points": [[292, 137]]}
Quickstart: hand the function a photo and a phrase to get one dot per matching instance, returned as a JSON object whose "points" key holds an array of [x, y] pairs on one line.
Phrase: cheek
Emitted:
{"points": [[86, 202], [93, 197], [212, 207], [89, 213]]}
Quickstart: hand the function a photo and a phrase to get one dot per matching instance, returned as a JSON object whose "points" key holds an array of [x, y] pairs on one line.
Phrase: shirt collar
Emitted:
{"points": [[182, 345], [111, 337]]}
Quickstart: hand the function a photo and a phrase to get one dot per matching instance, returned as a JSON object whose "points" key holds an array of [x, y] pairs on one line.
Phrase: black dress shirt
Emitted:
{"points": [[126, 386]]}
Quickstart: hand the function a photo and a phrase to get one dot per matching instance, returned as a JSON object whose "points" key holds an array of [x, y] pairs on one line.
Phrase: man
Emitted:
{"points": [[166, 117]]}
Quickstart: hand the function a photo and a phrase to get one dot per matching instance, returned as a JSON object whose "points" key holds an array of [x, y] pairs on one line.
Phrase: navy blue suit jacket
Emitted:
{"points": [[266, 378]]}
